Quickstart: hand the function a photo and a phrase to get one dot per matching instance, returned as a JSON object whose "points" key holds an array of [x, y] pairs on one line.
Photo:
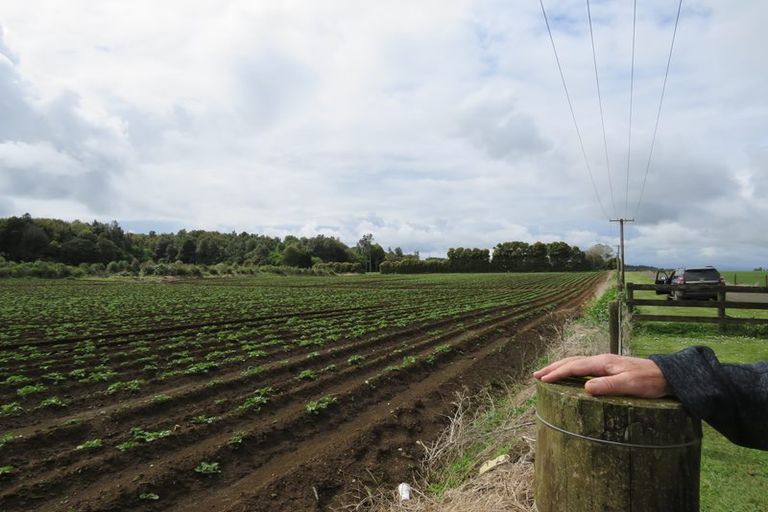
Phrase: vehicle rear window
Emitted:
{"points": [[702, 274]]}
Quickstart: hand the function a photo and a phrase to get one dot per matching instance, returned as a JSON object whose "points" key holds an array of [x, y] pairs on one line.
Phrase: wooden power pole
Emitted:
{"points": [[621, 249]]}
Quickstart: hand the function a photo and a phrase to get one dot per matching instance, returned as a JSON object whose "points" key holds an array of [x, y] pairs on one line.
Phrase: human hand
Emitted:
{"points": [[613, 375]]}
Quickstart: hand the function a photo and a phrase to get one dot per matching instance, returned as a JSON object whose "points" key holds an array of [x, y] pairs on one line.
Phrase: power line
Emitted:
{"points": [[573, 115], [600, 102], [658, 112], [631, 93]]}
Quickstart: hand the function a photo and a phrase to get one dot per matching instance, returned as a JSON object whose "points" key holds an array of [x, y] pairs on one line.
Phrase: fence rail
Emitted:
{"points": [[721, 304]]}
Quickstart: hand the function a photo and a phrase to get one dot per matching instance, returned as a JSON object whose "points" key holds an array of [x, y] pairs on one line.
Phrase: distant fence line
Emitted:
{"points": [[722, 304]]}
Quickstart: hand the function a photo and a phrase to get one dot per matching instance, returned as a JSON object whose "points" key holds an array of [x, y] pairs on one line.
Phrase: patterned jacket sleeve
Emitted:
{"points": [[733, 398]]}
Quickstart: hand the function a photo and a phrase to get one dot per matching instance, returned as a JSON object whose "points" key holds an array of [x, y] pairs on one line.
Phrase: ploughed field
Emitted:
{"points": [[260, 393]]}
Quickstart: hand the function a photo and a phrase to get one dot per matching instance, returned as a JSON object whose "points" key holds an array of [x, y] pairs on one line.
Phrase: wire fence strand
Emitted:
{"points": [[600, 103], [573, 114], [658, 112]]}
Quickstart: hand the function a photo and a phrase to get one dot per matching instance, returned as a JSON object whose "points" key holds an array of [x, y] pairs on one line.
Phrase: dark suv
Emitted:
{"points": [[706, 277]]}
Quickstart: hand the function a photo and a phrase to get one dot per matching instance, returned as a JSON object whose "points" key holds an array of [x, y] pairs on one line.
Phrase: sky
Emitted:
{"points": [[431, 124]]}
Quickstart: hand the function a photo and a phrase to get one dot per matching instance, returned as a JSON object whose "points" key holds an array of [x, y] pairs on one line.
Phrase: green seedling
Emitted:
{"points": [[208, 468], [139, 434], [90, 445], [12, 409], [204, 420], [200, 368], [237, 438], [53, 401], [318, 406], [259, 399], [17, 379], [30, 390], [8, 438], [356, 359], [130, 385], [127, 445], [307, 375], [149, 496]]}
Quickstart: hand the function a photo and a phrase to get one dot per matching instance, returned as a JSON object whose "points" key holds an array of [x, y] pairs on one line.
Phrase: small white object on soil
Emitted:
{"points": [[490, 464]]}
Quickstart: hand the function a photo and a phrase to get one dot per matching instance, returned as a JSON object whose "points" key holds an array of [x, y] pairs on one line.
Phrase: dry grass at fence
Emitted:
{"points": [[481, 428]]}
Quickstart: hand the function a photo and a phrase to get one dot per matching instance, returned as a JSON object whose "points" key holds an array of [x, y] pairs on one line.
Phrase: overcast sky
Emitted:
{"points": [[431, 124]]}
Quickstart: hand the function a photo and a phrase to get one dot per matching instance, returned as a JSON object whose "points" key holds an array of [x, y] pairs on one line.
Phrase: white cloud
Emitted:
{"points": [[431, 124]]}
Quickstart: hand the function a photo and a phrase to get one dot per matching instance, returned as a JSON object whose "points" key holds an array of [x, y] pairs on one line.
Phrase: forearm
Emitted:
{"points": [[732, 398]]}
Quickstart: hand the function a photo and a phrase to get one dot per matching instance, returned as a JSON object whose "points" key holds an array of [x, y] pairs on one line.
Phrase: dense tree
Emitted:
{"points": [[295, 256], [188, 251], [599, 256], [80, 250], [208, 250], [469, 260], [327, 248]]}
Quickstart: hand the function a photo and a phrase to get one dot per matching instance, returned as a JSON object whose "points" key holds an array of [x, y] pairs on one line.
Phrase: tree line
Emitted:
{"points": [[51, 246], [509, 257]]}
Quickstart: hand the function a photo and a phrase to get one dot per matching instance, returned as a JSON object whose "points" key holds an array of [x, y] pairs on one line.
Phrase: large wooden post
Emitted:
{"points": [[613, 327], [721, 308], [614, 454]]}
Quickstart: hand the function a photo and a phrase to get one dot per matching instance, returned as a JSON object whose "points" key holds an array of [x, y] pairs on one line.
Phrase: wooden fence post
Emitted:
{"points": [[613, 326], [614, 454], [721, 308]]}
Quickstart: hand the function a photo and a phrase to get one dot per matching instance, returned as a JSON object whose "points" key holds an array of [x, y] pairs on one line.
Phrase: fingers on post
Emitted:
{"points": [[596, 366], [621, 384], [554, 366]]}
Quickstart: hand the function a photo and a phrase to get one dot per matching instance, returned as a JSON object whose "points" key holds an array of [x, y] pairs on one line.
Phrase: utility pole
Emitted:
{"points": [[621, 249]]}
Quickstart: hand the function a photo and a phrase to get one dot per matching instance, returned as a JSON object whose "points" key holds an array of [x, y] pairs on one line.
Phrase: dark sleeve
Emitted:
{"points": [[733, 398]]}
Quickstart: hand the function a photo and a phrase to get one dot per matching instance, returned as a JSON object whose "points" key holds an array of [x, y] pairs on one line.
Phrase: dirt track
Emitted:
{"points": [[291, 460]]}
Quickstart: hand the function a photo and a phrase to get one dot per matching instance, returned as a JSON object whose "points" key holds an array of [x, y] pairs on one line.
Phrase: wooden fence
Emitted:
{"points": [[758, 294]]}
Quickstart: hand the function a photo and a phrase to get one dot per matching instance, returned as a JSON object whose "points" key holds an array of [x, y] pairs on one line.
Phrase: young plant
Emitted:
{"points": [[307, 375], [53, 401], [17, 379], [147, 436], [318, 406], [208, 468], [251, 371], [90, 445], [8, 438], [29, 390], [129, 385], [237, 439], [7, 470], [204, 420], [356, 359], [127, 445], [256, 401], [11, 409], [200, 368], [149, 496]]}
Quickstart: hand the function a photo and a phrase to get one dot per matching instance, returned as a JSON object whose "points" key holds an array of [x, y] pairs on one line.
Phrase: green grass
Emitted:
{"points": [[745, 277], [732, 478]]}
